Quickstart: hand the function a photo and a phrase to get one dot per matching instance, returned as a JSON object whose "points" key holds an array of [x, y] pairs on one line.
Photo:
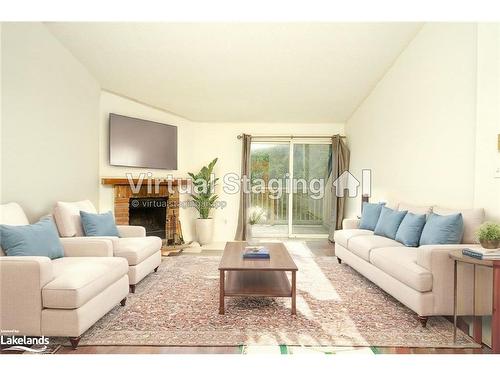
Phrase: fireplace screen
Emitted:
{"points": [[150, 213]]}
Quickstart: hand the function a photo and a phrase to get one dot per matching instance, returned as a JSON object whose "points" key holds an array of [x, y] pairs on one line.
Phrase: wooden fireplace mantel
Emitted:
{"points": [[114, 181]]}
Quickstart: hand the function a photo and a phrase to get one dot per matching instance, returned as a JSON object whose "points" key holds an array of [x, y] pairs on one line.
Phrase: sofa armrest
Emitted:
{"points": [[131, 231], [436, 259], [350, 223], [37, 269], [432, 257], [87, 247], [21, 281]]}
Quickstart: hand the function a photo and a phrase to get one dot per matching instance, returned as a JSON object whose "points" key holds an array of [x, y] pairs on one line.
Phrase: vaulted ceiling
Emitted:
{"points": [[240, 72]]}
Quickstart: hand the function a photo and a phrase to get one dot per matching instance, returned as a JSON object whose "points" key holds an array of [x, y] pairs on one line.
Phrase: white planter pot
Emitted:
{"points": [[204, 230], [249, 232], [250, 240]]}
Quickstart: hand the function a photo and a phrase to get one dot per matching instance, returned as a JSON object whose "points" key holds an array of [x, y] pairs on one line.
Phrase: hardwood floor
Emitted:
{"points": [[484, 350], [321, 247]]}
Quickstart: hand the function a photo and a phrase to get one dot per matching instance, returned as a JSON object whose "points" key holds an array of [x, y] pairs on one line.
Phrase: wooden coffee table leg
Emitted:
{"points": [[294, 293], [221, 292]]}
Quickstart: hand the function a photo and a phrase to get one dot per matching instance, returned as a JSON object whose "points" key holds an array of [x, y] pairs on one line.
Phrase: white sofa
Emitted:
{"points": [[142, 253], [422, 278], [61, 297]]}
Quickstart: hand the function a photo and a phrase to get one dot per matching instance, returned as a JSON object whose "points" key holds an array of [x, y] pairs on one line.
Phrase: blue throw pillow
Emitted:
{"points": [[410, 229], [388, 222], [39, 239], [99, 224], [442, 230], [370, 215]]}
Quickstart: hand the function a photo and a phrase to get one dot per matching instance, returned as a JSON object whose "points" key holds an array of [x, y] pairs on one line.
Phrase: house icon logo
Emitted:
{"points": [[347, 181]]}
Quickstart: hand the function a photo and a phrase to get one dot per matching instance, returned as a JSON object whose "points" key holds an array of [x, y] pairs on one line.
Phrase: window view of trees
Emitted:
{"points": [[269, 161], [311, 161]]}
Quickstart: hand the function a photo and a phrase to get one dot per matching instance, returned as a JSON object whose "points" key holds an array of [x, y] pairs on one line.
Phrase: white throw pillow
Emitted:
{"points": [[419, 210], [473, 218], [12, 214], [67, 215]]}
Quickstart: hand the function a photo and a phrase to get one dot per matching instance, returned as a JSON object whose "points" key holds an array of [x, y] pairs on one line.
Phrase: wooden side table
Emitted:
{"points": [[457, 257]]}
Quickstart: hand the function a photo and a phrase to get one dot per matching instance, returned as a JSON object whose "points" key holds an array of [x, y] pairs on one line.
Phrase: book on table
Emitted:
{"points": [[256, 252], [482, 254]]}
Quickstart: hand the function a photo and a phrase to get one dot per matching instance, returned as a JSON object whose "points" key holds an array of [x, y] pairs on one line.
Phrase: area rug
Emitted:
{"points": [[335, 307]]}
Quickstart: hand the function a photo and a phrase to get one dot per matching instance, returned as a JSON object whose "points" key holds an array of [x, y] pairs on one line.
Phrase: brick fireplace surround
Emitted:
{"points": [[122, 198]]}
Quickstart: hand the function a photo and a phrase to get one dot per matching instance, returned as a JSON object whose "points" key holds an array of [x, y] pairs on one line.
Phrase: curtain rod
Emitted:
{"points": [[290, 136]]}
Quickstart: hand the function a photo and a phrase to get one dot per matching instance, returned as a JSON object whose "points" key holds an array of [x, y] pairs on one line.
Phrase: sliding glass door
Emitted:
{"points": [[310, 198], [290, 194], [269, 164]]}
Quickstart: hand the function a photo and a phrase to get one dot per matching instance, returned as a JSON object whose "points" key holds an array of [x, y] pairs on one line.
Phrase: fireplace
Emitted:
{"points": [[151, 213], [168, 193]]}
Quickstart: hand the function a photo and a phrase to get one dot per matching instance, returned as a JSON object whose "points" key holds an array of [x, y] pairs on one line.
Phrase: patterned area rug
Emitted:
{"points": [[335, 307]]}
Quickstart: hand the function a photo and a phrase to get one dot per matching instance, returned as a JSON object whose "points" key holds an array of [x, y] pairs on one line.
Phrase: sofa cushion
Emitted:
{"points": [[136, 249], [389, 222], [67, 216], [369, 215], [77, 280], [99, 224], [362, 245], [39, 239], [420, 210], [473, 218], [402, 265], [442, 230], [410, 229], [343, 236]]}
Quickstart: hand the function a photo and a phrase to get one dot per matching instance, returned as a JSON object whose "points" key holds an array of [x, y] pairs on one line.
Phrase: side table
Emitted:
{"points": [[457, 257]]}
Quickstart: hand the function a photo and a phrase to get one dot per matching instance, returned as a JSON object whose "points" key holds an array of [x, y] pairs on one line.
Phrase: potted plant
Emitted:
{"points": [[256, 216], [489, 235], [204, 200]]}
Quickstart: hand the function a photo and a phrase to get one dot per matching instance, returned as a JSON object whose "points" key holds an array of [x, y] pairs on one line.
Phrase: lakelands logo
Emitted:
{"points": [[24, 343]]}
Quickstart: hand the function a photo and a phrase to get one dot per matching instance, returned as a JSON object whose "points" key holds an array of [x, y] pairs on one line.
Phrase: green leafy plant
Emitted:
{"points": [[203, 189], [257, 214], [489, 232]]}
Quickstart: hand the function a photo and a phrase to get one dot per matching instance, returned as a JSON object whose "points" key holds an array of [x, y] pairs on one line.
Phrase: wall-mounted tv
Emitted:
{"points": [[141, 143]]}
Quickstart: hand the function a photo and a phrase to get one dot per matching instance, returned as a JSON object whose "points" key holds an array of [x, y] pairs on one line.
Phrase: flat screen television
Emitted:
{"points": [[141, 143]]}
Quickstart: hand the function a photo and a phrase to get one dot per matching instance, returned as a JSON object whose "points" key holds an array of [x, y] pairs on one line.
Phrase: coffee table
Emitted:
{"points": [[256, 277]]}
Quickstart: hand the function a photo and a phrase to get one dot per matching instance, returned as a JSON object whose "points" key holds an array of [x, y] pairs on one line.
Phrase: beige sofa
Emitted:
{"points": [[61, 297], [422, 278], [142, 253]]}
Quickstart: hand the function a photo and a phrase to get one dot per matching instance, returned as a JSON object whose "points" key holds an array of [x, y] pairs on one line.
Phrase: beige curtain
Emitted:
{"points": [[340, 164], [241, 231]]}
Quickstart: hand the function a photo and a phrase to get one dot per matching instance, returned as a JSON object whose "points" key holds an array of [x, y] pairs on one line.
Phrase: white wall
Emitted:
{"points": [[416, 130], [198, 144], [1, 106], [49, 121], [487, 178]]}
